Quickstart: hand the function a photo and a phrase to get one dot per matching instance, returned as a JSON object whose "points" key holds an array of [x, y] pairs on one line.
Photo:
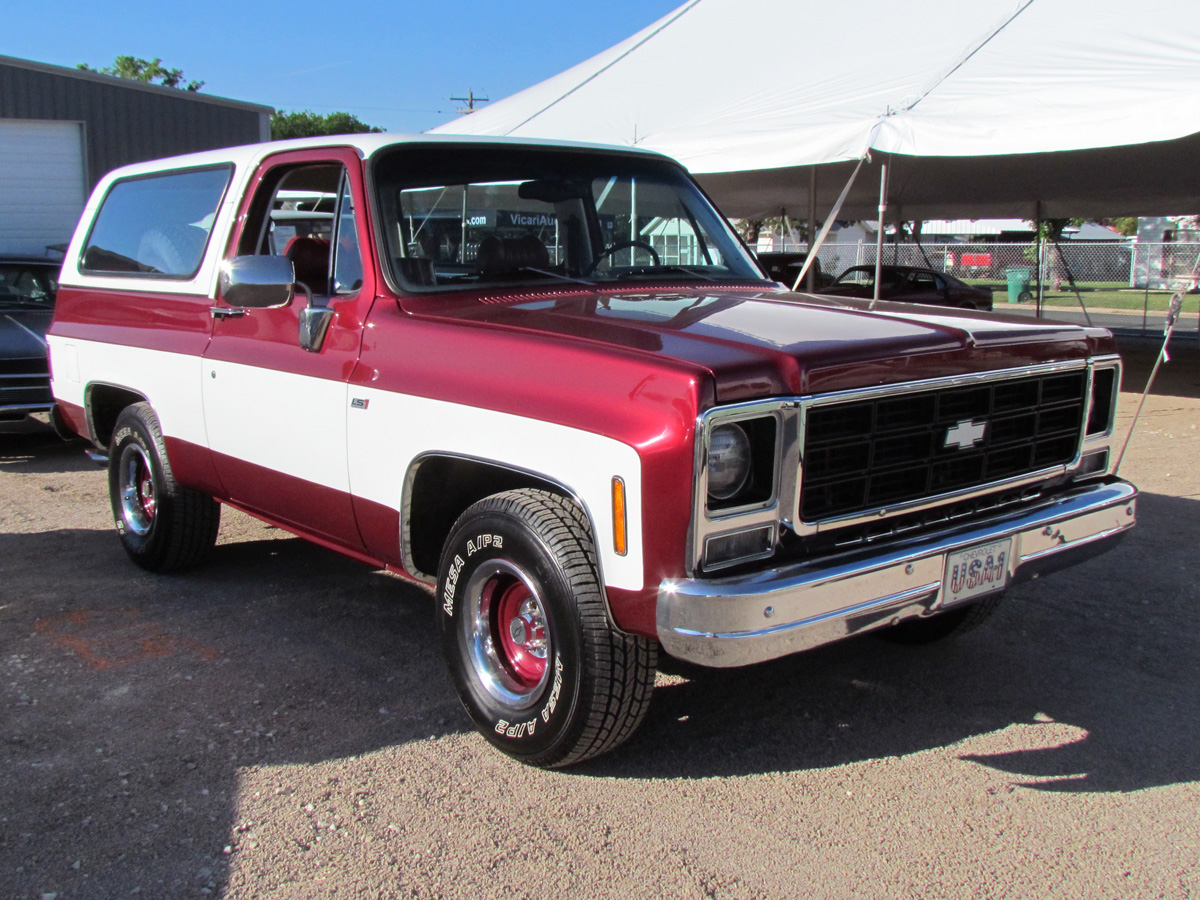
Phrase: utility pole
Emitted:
{"points": [[470, 100]]}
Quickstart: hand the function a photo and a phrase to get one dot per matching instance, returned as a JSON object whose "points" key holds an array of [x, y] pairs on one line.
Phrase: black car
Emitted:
{"points": [[27, 290], [785, 267], [908, 284]]}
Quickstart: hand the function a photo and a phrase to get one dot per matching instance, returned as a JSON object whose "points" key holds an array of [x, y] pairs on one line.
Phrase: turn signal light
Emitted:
{"points": [[620, 522]]}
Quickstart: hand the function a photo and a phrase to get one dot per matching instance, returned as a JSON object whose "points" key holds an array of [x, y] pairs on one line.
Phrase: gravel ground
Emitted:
{"points": [[279, 724]]}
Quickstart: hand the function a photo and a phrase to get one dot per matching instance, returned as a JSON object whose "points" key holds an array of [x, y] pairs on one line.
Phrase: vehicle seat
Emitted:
{"points": [[310, 261], [497, 255]]}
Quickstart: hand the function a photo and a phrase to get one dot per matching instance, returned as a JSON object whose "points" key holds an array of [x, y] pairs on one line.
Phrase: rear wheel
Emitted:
{"points": [[949, 624], [540, 669], [163, 526]]}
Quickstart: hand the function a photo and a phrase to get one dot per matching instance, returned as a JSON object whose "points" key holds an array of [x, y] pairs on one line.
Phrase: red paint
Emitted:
{"points": [[520, 623], [379, 526], [269, 339], [315, 510], [157, 319], [112, 638], [74, 416]]}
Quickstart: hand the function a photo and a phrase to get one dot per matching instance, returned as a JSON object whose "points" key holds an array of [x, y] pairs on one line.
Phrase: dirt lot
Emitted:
{"points": [[278, 724]]}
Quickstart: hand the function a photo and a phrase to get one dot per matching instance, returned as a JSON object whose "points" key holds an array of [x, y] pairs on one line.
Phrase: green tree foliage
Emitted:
{"points": [[1126, 225], [148, 71], [309, 124]]}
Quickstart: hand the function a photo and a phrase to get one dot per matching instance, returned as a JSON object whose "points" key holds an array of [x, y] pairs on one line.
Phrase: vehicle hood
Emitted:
{"points": [[772, 342], [23, 333]]}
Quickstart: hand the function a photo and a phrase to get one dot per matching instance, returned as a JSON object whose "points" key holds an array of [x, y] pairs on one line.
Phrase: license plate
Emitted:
{"points": [[982, 569]]}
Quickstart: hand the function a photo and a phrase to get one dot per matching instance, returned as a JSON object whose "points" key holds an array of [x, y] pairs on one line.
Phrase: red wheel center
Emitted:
{"points": [[146, 492], [521, 629]]}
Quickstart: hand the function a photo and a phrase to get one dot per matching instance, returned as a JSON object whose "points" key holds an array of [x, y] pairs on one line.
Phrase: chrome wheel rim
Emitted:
{"points": [[507, 634], [135, 487]]}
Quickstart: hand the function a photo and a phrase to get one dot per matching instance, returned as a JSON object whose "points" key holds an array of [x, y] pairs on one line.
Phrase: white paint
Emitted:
{"points": [[290, 423], [395, 429], [169, 381], [304, 427]]}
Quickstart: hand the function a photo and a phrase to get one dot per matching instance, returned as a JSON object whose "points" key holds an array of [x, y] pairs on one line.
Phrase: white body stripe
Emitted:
{"points": [[170, 381], [278, 420], [396, 428], [304, 427]]}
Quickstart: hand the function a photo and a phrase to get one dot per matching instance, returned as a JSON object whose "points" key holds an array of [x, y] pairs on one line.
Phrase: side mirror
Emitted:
{"points": [[257, 281]]}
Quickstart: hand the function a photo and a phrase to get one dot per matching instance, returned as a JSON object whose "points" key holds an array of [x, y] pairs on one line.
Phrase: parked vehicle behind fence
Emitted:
{"points": [[907, 284]]}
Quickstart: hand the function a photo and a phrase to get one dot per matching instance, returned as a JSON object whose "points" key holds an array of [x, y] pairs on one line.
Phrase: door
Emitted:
{"points": [[42, 183], [276, 412]]}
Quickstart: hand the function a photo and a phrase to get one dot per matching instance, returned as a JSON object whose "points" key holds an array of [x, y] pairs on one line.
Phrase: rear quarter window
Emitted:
{"points": [[156, 226]]}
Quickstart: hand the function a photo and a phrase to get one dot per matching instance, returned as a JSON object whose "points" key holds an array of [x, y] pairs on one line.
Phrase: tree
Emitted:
{"points": [[309, 124], [147, 71], [1126, 225]]}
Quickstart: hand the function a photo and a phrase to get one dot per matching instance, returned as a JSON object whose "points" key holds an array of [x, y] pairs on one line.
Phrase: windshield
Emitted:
{"points": [[28, 285], [481, 215]]}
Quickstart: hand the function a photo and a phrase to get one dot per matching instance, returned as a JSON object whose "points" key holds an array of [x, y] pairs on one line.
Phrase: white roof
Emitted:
{"points": [[746, 93]]}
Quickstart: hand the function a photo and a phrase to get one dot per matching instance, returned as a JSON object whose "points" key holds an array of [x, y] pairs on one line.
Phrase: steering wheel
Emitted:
{"points": [[619, 246]]}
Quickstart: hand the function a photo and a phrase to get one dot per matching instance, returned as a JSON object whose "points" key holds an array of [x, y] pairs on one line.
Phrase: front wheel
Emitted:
{"points": [[541, 671], [162, 526]]}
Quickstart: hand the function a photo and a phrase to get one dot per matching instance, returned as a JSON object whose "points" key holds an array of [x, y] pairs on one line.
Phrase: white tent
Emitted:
{"points": [[989, 108]]}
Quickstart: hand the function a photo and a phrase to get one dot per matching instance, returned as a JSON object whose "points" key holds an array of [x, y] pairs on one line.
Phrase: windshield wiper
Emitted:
{"points": [[655, 271], [555, 275]]}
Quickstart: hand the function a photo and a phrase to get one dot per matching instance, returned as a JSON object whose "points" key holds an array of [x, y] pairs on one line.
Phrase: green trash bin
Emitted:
{"points": [[1018, 284]]}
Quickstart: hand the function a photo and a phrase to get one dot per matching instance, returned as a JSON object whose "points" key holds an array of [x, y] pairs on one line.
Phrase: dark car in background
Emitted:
{"points": [[28, 287], [908, 284], [785, 268]]}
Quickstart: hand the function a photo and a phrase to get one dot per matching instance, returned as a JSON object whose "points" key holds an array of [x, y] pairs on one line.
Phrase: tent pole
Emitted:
{"points": [[837, 207], [883, 188], [812, 224], [897, 234], [1071, 281], [1037, 228]]}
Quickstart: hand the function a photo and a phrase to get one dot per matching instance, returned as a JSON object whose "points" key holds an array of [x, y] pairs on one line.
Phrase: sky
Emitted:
{"points": [[393, 64]]}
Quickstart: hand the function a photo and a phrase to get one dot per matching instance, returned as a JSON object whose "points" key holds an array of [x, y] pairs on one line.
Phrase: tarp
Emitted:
{"points": [[989, 108]]}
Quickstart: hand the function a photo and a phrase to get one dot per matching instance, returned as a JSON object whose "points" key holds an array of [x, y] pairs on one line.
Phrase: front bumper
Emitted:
{"points": [[746, 619]]}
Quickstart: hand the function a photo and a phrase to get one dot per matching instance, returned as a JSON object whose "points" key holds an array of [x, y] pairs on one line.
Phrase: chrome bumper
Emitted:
{"points": [[750, 618]]}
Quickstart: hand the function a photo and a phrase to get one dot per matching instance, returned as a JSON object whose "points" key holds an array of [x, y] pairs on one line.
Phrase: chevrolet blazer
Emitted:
{"points": [[547, 383]]}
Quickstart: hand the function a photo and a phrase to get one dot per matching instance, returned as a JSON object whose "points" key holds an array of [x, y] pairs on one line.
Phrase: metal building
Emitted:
{"points": [[61, 129]]}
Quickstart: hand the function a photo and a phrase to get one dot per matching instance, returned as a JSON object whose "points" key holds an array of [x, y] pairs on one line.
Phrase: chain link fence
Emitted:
{"points": [[1124, 286]]}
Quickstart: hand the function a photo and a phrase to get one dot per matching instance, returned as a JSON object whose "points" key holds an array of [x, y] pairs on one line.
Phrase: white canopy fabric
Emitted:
{"points": [[988, 108]]}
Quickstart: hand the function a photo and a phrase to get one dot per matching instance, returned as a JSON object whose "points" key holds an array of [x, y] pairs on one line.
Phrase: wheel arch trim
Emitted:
{"points": [[547, 482]]}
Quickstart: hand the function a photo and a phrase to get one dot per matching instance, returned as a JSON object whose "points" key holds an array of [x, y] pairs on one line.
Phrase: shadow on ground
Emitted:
{"points": [[133, 700], [1106, 647]]}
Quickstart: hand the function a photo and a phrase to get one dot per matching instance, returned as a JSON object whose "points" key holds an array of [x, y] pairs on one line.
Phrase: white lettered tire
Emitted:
{"points": [[540, 669], [163, 526]]}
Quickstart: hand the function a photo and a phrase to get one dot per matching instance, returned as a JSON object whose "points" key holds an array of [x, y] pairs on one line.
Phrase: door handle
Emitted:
{"points": [[227, 312]]}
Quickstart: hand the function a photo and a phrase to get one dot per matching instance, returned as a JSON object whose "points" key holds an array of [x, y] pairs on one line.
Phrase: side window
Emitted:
{"points": [[156, 226], [922, 281], [347, 260], [306, 213]]}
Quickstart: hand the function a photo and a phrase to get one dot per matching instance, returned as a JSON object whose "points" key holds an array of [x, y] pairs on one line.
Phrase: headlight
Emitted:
{"points": [[728, 461]]}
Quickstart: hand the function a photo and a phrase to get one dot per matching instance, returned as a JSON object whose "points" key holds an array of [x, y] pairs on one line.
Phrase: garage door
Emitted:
{"points": [[41, 184]]}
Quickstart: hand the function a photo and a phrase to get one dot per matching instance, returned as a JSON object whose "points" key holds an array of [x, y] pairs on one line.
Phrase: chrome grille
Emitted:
{"points": [[881, 452]]}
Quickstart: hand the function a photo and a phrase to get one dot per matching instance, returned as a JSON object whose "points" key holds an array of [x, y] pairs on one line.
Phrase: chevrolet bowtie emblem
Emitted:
{"points": [[966, 434]]}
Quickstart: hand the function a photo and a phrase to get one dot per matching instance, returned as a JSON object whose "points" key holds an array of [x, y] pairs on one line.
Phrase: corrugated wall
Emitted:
{"points": [[127, 122]]}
